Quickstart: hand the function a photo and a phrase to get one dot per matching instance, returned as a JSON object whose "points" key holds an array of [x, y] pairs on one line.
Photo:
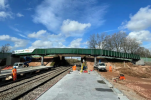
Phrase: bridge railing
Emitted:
{"points": [[146, 59]]}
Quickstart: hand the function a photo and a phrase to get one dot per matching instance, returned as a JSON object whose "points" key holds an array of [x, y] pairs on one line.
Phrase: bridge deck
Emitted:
{"points": [[78, 51]]}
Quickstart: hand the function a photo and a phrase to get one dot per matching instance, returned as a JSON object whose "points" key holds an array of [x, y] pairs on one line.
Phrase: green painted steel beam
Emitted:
{"points": [[80, 51]]}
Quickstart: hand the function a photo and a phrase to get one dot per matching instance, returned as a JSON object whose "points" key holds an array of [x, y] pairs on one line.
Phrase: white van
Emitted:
{"points": [[101, 66], [18, 65]]}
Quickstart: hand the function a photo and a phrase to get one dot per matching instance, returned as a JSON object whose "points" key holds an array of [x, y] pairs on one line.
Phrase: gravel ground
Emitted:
{"points": [[42, 89], [134, 88], [15, 90]]}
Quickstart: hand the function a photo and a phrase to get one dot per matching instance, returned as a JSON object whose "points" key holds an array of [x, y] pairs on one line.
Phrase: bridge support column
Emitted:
{"points": [[62, 60], [94, 60], [60, 57], [138, 62], [83, 58], [42, 60]]}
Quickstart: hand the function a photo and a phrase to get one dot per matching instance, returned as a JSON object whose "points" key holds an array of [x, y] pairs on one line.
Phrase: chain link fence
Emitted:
{"points": [[146, 59], [4, 55]]}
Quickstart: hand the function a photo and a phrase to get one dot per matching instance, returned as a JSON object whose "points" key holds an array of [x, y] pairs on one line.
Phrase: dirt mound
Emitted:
{"points": [[134, 73], [90, 65], [48, 64], [142, 89], [130, 69], [138, 79], [135, 88], [148, 63]]}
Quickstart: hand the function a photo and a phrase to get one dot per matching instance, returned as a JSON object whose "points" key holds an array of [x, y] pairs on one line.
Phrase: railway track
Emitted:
{"points": [[20, 89], [26, 76]]}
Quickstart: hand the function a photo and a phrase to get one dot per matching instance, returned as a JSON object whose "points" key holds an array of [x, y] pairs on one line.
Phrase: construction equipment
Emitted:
{"points": [[28, 60], [118, 78], [100, 66], [122, 77]]}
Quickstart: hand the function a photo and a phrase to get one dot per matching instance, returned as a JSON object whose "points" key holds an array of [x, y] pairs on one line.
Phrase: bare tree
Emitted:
{"points": [[115, 42], [130, 45], [92, 41], [150, 53], [118, 39], [147, 53], [143, 52], [125, 45], [119, 42], [133, 45], [97, 41], [5, 48], [109, 44], [101, 40]]}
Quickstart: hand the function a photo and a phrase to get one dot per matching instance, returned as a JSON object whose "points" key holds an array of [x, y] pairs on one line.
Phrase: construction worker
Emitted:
{"points": [[14, 73], [74, 68], [82, 65], [110, 68], [85, 68]]}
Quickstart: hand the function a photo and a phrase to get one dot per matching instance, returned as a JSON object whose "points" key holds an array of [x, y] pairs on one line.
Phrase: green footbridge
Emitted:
{"points": [[75, 51]]}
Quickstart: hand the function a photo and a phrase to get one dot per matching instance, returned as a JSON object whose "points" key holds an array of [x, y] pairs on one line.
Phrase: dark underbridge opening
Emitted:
{"points": [[73, 61]]}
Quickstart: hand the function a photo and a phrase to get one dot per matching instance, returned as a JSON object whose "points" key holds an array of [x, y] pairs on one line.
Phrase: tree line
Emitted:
{"points": [[5, 48], [119, 42]]}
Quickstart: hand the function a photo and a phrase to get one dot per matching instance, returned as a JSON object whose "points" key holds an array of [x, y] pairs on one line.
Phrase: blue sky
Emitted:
{"points": [[28, 24]]}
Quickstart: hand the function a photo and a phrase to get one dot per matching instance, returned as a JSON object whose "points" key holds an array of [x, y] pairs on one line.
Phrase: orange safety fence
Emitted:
{"points": [[7, 67]]}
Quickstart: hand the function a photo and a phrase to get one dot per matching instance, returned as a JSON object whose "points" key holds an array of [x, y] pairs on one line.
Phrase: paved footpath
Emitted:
{"points": [[77, 86]]}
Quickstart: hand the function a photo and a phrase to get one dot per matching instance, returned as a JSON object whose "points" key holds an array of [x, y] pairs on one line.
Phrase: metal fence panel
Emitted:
{"points": [[4, 55]]}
